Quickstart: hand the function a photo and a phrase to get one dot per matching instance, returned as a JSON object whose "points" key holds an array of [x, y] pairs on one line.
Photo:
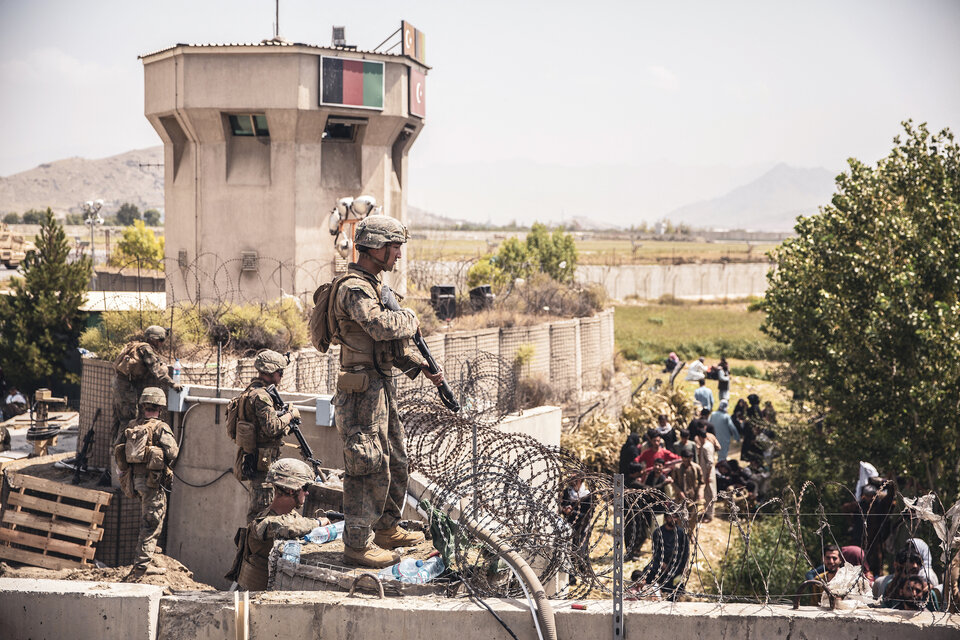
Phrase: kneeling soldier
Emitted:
{"points": [[289, 478], [144, 452]]}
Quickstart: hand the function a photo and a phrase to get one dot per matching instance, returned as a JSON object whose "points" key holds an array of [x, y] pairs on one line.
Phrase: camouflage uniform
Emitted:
{"points": [[267, 527], [147, 484], [258, 408], [126, 390], [373, 340]]}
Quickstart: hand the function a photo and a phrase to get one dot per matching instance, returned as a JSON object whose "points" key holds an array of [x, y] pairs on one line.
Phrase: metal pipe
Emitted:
{"points": [[225, 401]]}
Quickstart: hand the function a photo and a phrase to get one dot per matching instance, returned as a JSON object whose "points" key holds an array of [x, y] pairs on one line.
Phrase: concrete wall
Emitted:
{"points": [[227, 194], [202, 519], [55, 609], [688, 281], [63, 609]]}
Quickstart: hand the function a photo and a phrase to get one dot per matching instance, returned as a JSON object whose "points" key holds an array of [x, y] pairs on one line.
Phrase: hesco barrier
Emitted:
{"points": [[96, 392], [121, 529], [570, 354]]}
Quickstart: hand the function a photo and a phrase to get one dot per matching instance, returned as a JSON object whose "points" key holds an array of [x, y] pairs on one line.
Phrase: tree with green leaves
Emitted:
{"points": [[40, 320], [866, 299], [151, 217], [127, 214], [555, 253], [138, 244], [32, 216], [552, 253], [12, 218]]}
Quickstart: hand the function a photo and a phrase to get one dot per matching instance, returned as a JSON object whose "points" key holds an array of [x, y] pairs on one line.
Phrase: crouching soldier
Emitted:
{"points": [[144, 451], [289, 478]]}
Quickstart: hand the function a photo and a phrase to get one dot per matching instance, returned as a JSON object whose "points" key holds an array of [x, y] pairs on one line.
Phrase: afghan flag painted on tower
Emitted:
{"points": [[351, 83]]}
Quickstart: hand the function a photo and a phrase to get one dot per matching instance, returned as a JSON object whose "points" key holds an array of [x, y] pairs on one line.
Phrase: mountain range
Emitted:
{"points": [[759, 197]]}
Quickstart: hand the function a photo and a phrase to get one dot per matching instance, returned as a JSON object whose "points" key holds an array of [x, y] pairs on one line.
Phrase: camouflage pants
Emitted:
{"points": [[153, 507], [261, 495], [374, 460]]}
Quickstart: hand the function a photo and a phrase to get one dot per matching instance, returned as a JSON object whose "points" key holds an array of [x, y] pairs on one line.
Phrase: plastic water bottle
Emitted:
{"points": [[291, 551], [325, 534], [431, 568], [407, 570], [412, 571], [176, 371]]}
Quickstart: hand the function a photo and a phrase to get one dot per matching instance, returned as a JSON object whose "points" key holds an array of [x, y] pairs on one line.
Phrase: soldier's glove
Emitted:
{"points": [[178, 387], [295, 413]]}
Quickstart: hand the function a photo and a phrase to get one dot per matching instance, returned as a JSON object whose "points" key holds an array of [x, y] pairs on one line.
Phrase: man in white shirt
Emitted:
{"points": [[697, 370]]}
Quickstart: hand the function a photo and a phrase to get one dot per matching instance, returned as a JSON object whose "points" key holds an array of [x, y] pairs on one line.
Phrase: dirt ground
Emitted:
{"points": [[176, 578]]}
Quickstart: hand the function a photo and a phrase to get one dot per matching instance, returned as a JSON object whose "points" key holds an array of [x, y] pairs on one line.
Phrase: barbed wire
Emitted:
{"points": [[511, 485]]}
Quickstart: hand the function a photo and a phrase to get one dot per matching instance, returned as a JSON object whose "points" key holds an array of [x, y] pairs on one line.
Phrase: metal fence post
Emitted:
{"points": [[618, 556]]}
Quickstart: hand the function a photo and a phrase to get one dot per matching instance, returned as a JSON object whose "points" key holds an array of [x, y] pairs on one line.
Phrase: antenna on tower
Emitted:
{"points": [[276, 25]]}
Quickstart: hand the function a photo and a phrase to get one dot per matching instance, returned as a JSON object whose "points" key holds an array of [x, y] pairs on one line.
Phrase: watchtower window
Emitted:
{"points": [[340, 132], [342, 129], [249, 125]]}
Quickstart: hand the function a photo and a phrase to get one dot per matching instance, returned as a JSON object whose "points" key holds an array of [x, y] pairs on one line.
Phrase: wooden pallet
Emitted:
{"points": [[41, 526]]}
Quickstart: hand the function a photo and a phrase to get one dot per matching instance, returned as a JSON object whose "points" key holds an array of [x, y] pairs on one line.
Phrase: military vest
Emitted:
{"points": [[357, 348]]}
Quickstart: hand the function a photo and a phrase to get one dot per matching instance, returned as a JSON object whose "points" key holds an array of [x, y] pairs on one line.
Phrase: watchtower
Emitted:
{"points": [[260, 142]]}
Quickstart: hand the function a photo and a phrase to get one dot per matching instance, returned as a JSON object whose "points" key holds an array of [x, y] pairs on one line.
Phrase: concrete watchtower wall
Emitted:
{"points": [[271, 194]]}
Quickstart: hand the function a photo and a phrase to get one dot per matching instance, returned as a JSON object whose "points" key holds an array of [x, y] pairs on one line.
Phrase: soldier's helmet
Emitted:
{"points": [[268, 361], [290, 474], [154, 332], [153, 395], [377, 230]]}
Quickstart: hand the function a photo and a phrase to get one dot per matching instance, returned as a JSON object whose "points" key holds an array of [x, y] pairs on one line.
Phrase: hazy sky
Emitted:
{"points": [[641, 84]]}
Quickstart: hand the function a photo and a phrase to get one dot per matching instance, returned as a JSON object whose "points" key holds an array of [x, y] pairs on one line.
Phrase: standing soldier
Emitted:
{"points": [[260, 430], [144, 452], [372, 341], [138, 366], [279, 521]]}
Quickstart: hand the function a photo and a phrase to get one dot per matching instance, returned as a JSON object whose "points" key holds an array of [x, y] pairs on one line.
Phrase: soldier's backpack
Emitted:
{"points": [[128, 363], [234, 407], [242, 432], [139, 440], [323, 328]]}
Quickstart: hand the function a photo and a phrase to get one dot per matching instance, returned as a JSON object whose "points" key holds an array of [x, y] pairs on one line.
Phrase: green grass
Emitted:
{"points": [[649, 333], [603, 251]]}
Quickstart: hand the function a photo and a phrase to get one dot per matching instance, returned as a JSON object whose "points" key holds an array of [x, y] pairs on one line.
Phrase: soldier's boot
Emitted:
{"points": [[372, 556], [396, 536]]}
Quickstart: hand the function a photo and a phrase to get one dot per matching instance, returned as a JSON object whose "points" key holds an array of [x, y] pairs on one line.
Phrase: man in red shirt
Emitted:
{"points": [[656, 451]]}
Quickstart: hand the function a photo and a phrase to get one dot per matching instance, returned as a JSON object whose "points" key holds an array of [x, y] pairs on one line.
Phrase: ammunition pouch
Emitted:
{"points": [[155, 459], [247, 436], [352, 382]]}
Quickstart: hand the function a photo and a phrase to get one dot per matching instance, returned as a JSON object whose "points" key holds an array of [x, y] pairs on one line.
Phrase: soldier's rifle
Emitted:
{"points": [[446, 393], [82, 463], [305, 451]]}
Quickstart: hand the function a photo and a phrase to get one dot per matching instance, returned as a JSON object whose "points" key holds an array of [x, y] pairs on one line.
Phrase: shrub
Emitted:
{"points": [[12, 218], [279, 326], [483, 272], [767, 562], [429, 322], [596, 443], [138, 244], [533, 391]]}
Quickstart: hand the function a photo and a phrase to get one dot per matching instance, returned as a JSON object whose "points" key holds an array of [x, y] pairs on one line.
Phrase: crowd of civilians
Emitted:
{"points": [[682, 471]]}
